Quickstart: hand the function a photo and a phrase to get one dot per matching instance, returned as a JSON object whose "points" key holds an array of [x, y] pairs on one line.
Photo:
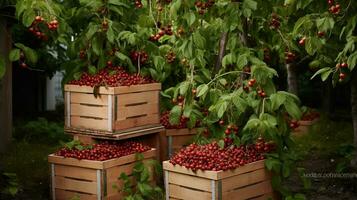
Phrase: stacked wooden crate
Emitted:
{"points": [[251, 181], [106, 113]]}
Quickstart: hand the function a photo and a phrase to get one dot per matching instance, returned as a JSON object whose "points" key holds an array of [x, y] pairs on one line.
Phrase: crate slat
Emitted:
{"points": [[138, 98], [233, 182], [89, 111], [89, 99], [177, 191], [180, 132], [190, 181], [139, 121], [125, 112], [66, 195], [76, 172], [90, 123], [76, 185], [248, 192]]}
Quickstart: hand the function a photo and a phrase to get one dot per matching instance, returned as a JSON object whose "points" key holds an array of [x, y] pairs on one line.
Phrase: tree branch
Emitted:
{"points": [[222, 50]]}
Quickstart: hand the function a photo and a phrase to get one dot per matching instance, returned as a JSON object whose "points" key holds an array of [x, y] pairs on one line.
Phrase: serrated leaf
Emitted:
{"points": [[202, 90], [174, 8], [28, 17], [14, 55], [92, 29], [221, 108], [352, 60], [199, 40], [190, 18], [320, 71], [277, 100], [92, 70], [183, 88], [175, 115]]}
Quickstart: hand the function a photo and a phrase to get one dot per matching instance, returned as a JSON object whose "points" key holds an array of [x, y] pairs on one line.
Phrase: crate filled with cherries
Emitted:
{"points": [[232, 170], [91, 171]]}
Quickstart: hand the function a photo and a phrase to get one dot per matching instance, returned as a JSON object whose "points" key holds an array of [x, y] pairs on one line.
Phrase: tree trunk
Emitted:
{"points": [[5, 89], [292, 78], [222, 50], [354, 111]]}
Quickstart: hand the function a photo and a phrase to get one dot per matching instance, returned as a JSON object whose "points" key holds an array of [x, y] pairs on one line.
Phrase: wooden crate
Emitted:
{"points": [[88, 179], [251, 181], [304, 127], [116, 109], [178, 138]]}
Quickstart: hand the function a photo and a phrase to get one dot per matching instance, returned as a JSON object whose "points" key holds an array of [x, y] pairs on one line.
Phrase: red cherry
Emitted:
{"points": [[302, 41], [38, 18], [344, 65], [221, 122], [342, 76]]}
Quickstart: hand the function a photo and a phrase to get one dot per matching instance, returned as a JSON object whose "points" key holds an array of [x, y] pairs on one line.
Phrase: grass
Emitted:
{"points": [[29, 162], [326, 138]]}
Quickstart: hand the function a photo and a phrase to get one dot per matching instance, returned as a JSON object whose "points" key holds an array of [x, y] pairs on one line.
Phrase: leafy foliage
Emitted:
{"points": [[143, 188]]}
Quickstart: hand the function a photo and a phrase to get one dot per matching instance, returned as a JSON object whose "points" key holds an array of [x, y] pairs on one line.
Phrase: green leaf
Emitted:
{"points": [[175, 115], [2, 67], [92, 29], [14, 55], [325, 23], [144, 188], [323, 70], [97, 45], [28, 17], [202, 90], [292, 109], [184, 87], [277, 100], [118, 3], [92, 70], [351, 61], [199, 40], [190, 18], [242, 61], [221, 144], [221, 108], [110, 34], [300, 22], [273, 164], [286, 170], [250, 4], [174, 8], [31, 55]]}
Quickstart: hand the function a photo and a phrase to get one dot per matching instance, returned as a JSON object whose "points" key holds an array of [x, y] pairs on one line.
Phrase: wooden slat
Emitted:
{"points": [[76, 172], [128, 159], [125, 112], [89, 123], [265, 197], [249, 191], [88, 89], [189, 194], [92, 164], [137, 88], [171, 198], [181, 141], [75, 185], [182, 131], [140, 121], [241, 180], [68, 195], [215, 175], [89, 111], [114, 90], [137, 98], [89, 99], [190, 181]]}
